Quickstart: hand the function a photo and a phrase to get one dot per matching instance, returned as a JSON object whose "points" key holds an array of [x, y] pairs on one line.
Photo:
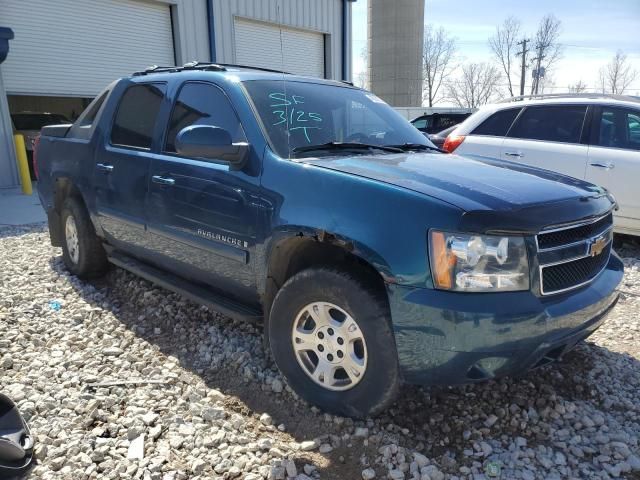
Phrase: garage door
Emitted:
{"points": [[258, 44], [77, 47]]}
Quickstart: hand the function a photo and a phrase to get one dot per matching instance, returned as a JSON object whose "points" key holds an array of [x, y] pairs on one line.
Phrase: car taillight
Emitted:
{"points": [[36, 143], [452, 142]]}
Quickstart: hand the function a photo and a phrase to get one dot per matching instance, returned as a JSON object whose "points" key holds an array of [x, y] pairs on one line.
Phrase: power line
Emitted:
{"points": [[570, 45]]}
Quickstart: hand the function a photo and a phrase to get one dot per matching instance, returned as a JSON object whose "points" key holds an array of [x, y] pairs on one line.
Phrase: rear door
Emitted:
{"points": [[614, 161], [549, 137], [202, 214], [487, 138], [121, 170]]}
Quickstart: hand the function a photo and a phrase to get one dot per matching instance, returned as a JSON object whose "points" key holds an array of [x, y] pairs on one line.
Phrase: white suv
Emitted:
{"points": [[591, 137]]}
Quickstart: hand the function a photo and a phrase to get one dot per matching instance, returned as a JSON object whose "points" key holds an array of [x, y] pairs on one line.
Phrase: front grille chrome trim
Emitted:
{"points": [[573, 287], [573, 244], [608, 231], [569, 226]]}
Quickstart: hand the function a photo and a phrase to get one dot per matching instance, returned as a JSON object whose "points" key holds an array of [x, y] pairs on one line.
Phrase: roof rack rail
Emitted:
{"points": [[195, 65], [518, 98], [187, 66]]}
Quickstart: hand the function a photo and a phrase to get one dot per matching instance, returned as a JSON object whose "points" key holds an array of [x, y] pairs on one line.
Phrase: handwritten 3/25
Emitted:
{"points": [[295, 118]]}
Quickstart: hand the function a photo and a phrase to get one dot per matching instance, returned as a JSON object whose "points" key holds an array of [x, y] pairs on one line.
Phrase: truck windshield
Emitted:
{"points": [[299, 115]]}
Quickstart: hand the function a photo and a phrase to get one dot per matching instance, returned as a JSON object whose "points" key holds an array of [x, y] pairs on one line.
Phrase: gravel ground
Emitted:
{"points": [[126, 380]]}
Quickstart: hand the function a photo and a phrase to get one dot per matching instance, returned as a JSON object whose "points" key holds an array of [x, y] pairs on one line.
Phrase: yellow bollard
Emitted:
{"points": [[23, 165]]}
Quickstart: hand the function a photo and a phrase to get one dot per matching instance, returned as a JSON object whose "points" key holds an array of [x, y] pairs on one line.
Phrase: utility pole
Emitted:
{"points": [[524, 63], [536, 71]]}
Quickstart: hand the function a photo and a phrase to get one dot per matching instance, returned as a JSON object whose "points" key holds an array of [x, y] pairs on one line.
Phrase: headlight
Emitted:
{"points": [[478, 263]]}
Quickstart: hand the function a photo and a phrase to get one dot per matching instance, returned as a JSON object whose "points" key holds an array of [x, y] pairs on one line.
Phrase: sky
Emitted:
{"points": [[591, 32]]}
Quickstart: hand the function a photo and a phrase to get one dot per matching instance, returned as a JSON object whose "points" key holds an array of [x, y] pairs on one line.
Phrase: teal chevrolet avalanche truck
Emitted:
{"points": [[371, 257]]}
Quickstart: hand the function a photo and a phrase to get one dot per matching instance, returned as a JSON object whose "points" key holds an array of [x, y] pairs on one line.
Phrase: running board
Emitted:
{"points": [[192, 291]]}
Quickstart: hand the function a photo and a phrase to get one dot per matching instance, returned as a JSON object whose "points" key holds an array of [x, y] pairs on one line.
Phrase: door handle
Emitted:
{"points": [[606, 165], [104, 167], [514, 154], [162, 180]]}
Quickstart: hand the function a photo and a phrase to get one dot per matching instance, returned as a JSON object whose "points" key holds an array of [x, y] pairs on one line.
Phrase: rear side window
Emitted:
{"points": [[421, 123], [497, 125], [136, 116], [619, 128], [83, 127], [202, 104], [557, 123], [88, 117]]}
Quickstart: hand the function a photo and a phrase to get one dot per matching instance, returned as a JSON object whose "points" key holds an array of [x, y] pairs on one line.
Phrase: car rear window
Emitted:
{"points": [[498, 124], [136, 117], [557, 123]]}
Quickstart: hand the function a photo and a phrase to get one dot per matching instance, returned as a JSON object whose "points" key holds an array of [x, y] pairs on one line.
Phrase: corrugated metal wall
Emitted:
{"points": [[76, 48], [320, 15], [293, 50], [191, 31]]}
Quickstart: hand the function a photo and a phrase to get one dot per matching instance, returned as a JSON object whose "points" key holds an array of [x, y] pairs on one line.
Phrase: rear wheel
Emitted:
{"points": [[82, 250], [331, 336]]}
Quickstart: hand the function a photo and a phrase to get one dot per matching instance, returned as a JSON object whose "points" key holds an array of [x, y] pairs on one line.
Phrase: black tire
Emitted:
{"points": [[378, 387], [91, 257]]}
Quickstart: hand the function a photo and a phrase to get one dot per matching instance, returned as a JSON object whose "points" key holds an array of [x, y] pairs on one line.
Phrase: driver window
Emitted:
{"points": [[202, 104]]}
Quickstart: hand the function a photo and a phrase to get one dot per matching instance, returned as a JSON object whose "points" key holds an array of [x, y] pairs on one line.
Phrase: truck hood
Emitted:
{"points": [[494, 194]]}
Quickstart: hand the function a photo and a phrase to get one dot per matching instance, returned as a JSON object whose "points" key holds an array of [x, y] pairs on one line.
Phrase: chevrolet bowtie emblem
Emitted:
{"points": [[597, 246]]}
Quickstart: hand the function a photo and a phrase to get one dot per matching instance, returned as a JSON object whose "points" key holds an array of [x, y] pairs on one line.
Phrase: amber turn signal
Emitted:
{"points": [[442, 260]]}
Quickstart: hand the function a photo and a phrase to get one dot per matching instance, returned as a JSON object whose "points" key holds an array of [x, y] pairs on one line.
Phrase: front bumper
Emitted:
{"points": [[450, 338]]}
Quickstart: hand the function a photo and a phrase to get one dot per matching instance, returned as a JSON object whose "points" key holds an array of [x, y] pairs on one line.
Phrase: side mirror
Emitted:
{"points": [[207, 141]]}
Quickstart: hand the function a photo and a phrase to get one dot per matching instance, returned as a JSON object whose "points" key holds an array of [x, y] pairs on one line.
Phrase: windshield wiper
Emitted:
{"points": [[347, 146], [416, 146]]}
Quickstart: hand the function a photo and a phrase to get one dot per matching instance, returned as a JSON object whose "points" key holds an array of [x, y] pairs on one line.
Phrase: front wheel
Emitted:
{"points": [[330, 335]]}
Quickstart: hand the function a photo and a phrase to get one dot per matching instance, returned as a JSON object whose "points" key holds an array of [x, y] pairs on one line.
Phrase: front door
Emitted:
{"points": [[614, 162], [549, 137], [121, 169], [202, 215]]}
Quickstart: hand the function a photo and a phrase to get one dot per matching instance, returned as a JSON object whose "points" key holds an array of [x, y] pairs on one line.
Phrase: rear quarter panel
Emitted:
{"points": [[63, 158]]}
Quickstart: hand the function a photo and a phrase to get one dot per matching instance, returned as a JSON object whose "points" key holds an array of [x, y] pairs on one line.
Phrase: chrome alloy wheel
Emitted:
{"points": [[329, 346], [71, 237]]}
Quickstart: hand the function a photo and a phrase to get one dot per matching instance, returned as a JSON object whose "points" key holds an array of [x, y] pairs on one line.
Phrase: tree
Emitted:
{"points": [[504, 45], [617, 75], [362, 78], [578, 87], [548, 50], [477, 85], [439, 52]]}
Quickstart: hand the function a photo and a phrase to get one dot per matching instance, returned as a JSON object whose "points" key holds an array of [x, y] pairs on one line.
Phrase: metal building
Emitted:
{"points": [[395, 42], [66, 51]]}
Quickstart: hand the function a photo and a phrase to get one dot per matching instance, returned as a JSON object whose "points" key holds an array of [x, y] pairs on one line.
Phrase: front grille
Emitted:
{"points": [[574, 273], [572, 256], [558, 238]]}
